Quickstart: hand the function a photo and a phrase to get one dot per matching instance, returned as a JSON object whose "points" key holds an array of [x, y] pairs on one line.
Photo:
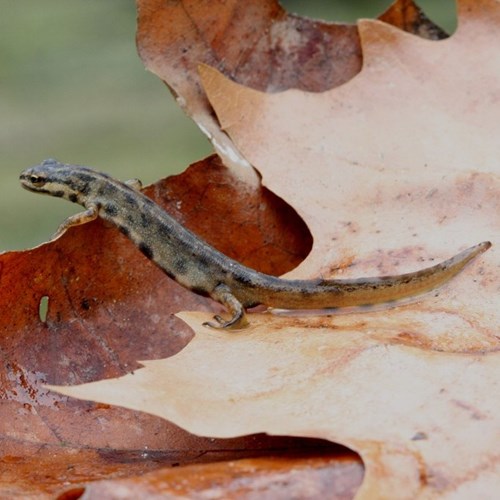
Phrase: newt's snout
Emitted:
{"points": [[31, 180]]}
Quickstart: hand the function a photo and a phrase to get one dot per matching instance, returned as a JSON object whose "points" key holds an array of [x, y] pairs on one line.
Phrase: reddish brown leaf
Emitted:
{"points": [[407, 16], [109, 307], [174, 37], [35, 470], [334, 477]]}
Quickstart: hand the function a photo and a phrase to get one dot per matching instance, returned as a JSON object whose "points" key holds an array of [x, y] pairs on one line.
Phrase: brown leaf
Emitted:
{"points": [[108, 307], [35, 470], [397, 167], [407, 16], [257, 44], [274, 477]]}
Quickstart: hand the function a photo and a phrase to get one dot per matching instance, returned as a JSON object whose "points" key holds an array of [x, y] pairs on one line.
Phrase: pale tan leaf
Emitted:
{"points": [[391, 171]]}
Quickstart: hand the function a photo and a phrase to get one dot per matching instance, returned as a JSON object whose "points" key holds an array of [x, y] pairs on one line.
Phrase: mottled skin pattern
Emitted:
{"points": [[201, 268]]}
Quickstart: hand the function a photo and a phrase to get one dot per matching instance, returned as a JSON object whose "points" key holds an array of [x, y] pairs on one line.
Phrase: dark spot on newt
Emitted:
{"points": [[124, 230], [180, 266], [82, 178], [306, 292], [165, 232], [111, 209], [200, 291], [130, 199], [146, 250], [145, 220], [169, 273], [73, 197], [407, 280], [102, 191], [58, 194], [201, 260], [247, 281]]}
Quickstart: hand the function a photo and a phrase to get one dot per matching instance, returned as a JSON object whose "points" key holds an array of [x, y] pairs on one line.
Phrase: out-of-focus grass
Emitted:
{"points": [[72, 87]]}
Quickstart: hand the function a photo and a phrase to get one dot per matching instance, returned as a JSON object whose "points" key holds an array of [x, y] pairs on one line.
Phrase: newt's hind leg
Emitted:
{"points": [[222, 293]]}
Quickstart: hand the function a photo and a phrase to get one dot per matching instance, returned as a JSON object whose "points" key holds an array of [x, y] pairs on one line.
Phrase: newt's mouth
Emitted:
{"points": [[26, 184]]}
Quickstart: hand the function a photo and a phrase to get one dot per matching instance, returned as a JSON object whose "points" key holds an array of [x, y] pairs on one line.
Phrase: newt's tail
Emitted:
{"points": [[322, 294], [389, 288]]}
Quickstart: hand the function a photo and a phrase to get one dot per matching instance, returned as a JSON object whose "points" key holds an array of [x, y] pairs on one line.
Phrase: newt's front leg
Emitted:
{"points": [[222, 293], [75, 220]]}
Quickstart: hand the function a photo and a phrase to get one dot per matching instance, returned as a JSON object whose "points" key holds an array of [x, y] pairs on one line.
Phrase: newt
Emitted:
{"points": [[198, 266]]}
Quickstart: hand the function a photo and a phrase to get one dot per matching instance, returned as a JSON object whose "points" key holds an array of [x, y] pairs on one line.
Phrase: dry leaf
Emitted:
{"points": [[108, 307], [275, 477], [395, 168], [173, 38]]}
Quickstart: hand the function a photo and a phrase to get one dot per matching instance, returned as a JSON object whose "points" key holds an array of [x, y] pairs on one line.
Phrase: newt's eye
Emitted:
{"points": [[37, 180]]}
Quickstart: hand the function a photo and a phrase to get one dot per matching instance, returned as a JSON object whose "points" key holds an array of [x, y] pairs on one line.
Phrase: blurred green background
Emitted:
{"points": [[72, 87]]}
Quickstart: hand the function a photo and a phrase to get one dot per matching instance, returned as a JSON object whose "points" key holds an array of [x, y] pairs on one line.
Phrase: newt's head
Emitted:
{"points": [[57, 179], [47, 177]]}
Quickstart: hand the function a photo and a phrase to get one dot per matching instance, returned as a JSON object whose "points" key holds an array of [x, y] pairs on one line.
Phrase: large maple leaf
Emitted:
{"points": [[396, 166]]}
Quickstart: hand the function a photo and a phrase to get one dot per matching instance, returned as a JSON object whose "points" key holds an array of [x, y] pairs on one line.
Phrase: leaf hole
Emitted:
{"points": [[43, 308]]}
